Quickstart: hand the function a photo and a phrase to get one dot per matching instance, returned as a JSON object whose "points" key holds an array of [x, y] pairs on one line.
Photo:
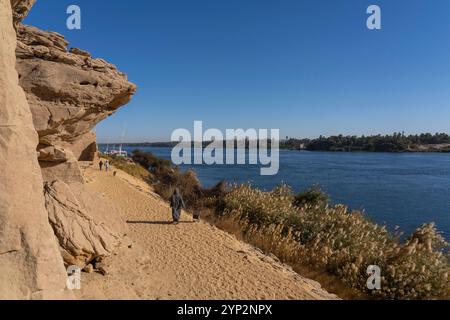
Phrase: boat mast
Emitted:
{"points": [[121, 140], [107, 147]]}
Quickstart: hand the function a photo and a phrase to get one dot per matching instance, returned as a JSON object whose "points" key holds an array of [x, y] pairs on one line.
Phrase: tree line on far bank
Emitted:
{"points": [[397, 142]]}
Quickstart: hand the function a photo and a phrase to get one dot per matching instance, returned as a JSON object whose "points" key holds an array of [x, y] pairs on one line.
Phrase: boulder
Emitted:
{"points": [[82, 240], [31, 266], [89, 268]]}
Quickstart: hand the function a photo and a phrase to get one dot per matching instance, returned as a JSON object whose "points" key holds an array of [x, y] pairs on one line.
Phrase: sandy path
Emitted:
{"points": [[185, 261]]}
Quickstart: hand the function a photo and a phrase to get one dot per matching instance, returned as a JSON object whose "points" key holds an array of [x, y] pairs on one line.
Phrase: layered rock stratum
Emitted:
{"points": [[31, 266]]}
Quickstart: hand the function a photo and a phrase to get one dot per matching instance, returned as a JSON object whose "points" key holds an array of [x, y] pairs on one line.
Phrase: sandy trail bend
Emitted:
{"points": [[186, 261]]}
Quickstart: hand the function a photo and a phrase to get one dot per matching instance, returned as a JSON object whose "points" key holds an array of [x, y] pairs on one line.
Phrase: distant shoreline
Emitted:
{"points": [[431, 148], [396, 143]]}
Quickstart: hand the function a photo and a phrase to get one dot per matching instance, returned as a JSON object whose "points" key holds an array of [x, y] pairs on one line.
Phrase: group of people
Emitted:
{"points": [[105, 164]]}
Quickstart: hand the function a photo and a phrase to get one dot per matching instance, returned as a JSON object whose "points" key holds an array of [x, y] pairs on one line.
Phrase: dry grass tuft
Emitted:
{"points": [[342, 243]]}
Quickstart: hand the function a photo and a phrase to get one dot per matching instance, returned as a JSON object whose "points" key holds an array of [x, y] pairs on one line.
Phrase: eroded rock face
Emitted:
{"points": [[20, 9], [69, 93], [30, 264], [82, 240]]}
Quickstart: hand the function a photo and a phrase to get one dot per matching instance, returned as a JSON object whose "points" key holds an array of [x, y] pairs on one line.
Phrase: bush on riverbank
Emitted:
{"points": [[342, 243], [149, 161], [312, 196], [187, 182], [397, 142], [128, 167]]}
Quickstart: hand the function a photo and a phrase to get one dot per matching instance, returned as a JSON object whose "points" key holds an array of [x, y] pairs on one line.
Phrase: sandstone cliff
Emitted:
{"points": [[69, 93], [30, 264]]}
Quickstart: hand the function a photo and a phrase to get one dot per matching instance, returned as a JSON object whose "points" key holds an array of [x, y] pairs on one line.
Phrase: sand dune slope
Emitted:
{"points": [[186, 261]]}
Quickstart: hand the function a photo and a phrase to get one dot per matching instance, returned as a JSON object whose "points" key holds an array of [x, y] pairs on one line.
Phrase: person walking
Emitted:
{"points": [[107, 165], [100, 165], [177, 204]]}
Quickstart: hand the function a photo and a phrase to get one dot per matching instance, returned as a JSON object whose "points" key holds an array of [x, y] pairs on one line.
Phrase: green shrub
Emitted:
{"points": [[149, 161], [312, 196]]}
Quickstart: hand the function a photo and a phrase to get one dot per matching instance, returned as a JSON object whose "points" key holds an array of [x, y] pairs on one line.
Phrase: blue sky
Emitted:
{"points": [[305, 67]]}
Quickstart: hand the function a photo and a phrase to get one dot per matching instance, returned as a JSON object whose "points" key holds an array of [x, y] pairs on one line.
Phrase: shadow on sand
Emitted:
{"points": [[156, 222]]}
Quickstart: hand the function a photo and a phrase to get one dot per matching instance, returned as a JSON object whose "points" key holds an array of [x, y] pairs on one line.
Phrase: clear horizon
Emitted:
{"points": [[309, 68]]}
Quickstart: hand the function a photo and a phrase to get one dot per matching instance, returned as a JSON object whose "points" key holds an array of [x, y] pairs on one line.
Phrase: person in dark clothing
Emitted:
{"points": [[196, 215], [177, 204], [100, 165], [198, 207]]}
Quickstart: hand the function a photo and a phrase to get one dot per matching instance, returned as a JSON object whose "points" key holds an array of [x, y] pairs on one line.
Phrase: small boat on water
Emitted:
{"points": [[117, 153]]}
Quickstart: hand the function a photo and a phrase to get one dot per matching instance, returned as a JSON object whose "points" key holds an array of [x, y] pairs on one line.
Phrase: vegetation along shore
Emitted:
{"points": [[328, 243]]}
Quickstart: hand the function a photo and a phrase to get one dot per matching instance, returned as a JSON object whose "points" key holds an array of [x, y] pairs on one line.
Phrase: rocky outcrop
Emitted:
{"points": [[20, 9], [30, 264], [82, 240], [69, 93]]}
